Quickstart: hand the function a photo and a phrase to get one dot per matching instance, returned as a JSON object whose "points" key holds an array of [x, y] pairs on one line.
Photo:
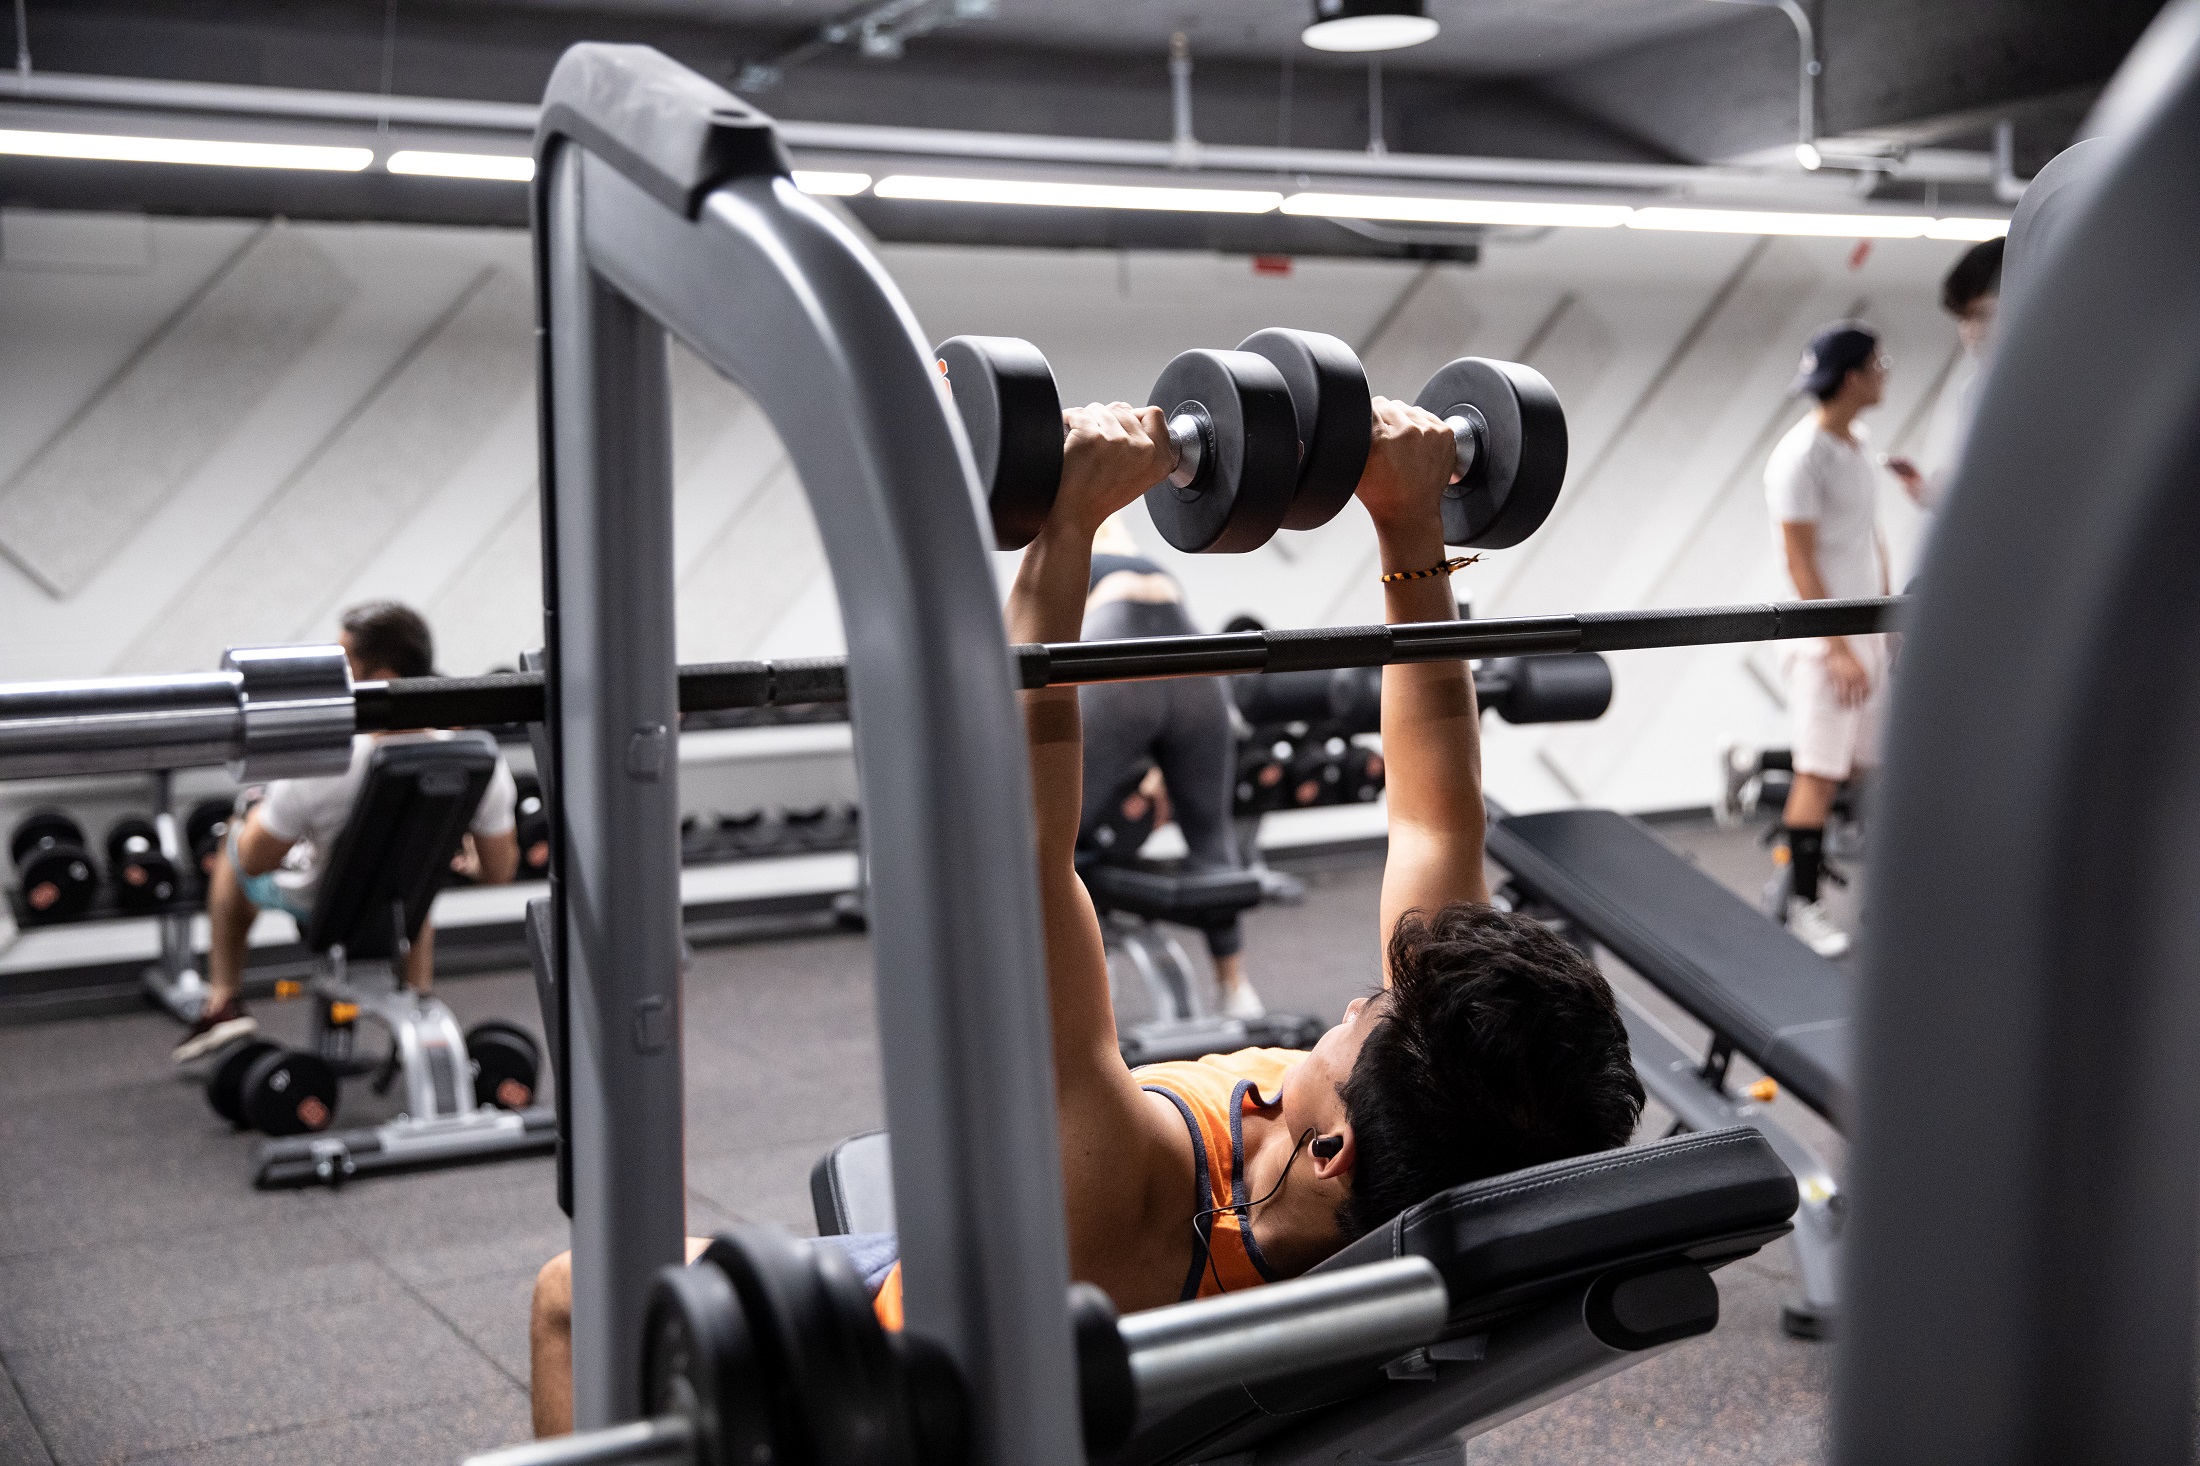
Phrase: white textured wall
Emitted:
{"points": [[215, 433]]}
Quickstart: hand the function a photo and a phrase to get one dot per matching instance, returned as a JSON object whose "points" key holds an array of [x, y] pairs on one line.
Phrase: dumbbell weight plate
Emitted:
{"points": [[1329, 399], [225, 1086], [1012, 413], [506, 1064], [813, 1324], [288, 1092], [58, 882], [203, 831], [144, 881], [1251, 470], [44, 824], [699, 1359], [1521, 462]]}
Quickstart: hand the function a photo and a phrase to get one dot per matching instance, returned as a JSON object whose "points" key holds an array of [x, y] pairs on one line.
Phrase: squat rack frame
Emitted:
{"points": [[663, 207]]}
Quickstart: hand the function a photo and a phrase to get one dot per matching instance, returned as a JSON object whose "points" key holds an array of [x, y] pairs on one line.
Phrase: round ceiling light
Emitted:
{"points": [[1368, 25]]}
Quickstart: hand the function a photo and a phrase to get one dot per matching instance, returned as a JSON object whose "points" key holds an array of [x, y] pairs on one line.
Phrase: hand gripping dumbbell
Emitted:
{"points": [[1233, 439], [1510, 428], [1246, 468]]}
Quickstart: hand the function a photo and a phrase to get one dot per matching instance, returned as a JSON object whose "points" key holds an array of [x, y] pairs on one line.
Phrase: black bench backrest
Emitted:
{"points": [[1781, 1004], [412, 809]]}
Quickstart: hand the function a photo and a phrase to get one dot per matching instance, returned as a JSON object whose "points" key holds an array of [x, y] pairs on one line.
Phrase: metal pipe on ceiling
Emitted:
{"points": [[516, 120]]}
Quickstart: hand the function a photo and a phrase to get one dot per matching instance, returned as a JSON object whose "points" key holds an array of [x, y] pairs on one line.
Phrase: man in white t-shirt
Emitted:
{"points": [[1972, 294], [1823, 491], [273, 856]]}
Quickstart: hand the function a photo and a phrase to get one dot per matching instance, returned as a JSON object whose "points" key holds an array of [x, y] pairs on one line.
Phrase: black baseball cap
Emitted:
{"points": [[1833, 353]]}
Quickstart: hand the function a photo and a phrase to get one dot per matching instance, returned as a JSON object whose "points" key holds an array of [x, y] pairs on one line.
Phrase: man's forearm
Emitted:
{"points": [[1811, 586], [1431, 727]]}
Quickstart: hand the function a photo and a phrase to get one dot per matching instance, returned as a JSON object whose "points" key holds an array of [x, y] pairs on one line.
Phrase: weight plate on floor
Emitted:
{"points": [[288, 1092], [43, 825], [1004, 392], [506, 1063], [1521, 463], [1250, 473], [700, 1360], [225, 1086], [812, 1320], [1329, 398]]}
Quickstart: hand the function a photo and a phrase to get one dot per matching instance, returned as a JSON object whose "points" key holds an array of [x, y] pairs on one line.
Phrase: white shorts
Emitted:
{"points": [[1833, 741]]}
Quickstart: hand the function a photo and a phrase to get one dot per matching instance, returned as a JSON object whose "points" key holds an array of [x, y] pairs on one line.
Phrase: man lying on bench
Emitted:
{"points": [[1492, 1045]]}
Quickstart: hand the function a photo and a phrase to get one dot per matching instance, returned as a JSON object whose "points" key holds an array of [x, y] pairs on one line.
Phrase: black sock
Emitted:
{"points": [[1806, 855]]}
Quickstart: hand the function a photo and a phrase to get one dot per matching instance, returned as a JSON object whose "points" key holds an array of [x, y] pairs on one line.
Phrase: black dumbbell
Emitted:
{"points": [[204, 830], [506, 1062], [533, 829], [277, 1091], [1363, 775], [1574, 687], [1316, 775], [1512, 449], [52, 868], [1233, 432], [142, 876], [1263, 763]]}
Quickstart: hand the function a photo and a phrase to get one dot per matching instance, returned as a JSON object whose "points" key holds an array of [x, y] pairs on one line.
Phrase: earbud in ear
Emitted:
{"points": [[1325, 1147]]}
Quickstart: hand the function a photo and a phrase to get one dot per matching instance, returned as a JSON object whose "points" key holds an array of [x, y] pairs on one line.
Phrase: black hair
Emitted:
{"points": [[386, 634], [1977, 273], [1499, 1046]]}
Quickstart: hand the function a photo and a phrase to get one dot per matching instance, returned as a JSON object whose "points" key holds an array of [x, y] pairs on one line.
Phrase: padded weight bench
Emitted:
{"points": [[1130, 898], [1762, 993], [412, 810], [1558, 1276]]}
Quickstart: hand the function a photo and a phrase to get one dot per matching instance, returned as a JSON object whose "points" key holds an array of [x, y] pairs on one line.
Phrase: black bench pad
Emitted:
{"points": [[1737, 973], [1191, 898]]}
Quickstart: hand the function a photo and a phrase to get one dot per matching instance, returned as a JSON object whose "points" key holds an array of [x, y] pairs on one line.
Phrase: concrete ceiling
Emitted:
{"points": [[1605, 81]]}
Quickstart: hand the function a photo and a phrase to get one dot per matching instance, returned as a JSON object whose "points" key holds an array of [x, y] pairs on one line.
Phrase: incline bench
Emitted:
{"points": [[412, 810], [1129, 898], [1557, 1276], [1762, 993]]}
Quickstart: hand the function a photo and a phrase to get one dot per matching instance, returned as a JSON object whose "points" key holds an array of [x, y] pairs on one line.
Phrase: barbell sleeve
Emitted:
{"points": [[663, 1440]]}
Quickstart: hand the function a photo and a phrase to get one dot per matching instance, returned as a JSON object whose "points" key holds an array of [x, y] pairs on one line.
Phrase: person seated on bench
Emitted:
{"points": [[273, 856], [1182, 724], [1491, 1046]]}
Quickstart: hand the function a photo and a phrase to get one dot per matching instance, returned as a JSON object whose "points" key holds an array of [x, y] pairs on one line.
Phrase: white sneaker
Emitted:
{"points": [[1808, 922], [1243, 1002]]}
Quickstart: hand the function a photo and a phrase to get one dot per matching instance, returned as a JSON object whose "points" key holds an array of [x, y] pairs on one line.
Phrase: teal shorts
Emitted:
{"points": [[263, 890]]}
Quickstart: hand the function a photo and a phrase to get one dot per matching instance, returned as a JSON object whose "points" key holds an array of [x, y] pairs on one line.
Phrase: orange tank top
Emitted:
{"points": [[1212, 1095]]}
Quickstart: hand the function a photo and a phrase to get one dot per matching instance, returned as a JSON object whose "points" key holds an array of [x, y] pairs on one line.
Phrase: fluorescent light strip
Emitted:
{"points": [[1976, 229], [503, 167], [103, 147], [1456, 211], [831, 185], [1752, 221], [1076, 195]]}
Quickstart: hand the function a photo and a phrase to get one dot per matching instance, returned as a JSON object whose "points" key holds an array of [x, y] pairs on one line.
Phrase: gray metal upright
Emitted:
{"points": [[660, 198], [2022, 1265], [608, 534]]}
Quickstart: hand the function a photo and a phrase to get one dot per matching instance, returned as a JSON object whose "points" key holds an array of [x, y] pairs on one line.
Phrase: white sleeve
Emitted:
{"points": [[1792, 490], [286, 809], [493, 816]]}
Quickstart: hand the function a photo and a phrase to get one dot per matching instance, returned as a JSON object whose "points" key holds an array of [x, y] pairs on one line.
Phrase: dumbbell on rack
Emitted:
{"points": [[204, 830], [143, 878], [1273, 435], [53, 869]]}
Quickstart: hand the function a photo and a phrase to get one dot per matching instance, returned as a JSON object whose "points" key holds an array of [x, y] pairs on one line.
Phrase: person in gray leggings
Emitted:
{"points": [[1181, 724]]}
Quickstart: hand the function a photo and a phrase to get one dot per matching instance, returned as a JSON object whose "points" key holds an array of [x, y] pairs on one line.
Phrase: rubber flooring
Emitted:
{"points": [[155, 1308]]}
